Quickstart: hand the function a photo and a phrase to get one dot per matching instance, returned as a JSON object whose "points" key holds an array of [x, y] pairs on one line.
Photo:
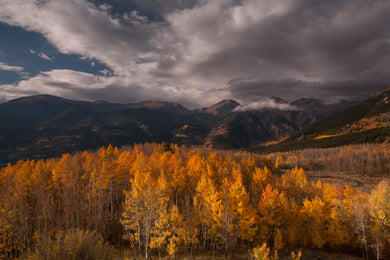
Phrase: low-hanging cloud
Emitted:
{"points": [[265, 103]]}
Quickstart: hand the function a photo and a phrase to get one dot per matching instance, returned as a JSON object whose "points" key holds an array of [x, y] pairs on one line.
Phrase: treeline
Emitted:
{"points": [[370, 136], [368, 159], [159, 200]]}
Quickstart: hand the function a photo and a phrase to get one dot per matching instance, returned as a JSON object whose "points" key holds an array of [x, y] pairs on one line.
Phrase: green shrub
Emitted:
{"points": [[72, 244]]}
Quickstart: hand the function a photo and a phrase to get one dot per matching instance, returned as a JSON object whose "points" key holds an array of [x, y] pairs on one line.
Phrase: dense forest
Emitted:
{"points": [[161, 200]]}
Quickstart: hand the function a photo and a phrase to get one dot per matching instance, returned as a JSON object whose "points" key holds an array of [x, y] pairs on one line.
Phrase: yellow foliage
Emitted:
{"points": [[297, 255], [181, 199]]}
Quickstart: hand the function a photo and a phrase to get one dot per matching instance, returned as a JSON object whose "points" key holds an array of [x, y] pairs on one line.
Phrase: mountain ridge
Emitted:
{"points": [[41, 126], [366, 121]]}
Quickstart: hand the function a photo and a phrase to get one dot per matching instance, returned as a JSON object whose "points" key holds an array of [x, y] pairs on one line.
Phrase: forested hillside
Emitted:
{"points": [[367, 121], [162, 200]]}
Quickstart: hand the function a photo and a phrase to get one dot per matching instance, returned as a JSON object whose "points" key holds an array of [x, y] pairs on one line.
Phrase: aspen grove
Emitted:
{"points": [[159, 200]]}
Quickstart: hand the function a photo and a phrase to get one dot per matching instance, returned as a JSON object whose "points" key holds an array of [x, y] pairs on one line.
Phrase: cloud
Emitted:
{"points": [[41, 55], [263, 103], [70, 84], [198, 51], [314, 43], [6, 67], [44, 56], [164, 7], [250, 89], [80, 27]]}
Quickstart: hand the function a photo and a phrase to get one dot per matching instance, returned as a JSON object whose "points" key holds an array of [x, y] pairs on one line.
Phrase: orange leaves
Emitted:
{"points": [[270, 214], [185, 199], [315, 217]]}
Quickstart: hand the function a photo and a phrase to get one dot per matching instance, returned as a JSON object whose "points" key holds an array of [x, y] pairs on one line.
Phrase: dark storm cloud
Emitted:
{"points": [[252, 90], [335, 43], [202, 51]]}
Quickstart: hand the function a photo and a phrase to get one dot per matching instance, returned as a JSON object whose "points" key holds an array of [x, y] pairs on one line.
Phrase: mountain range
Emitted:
{"points": [[44, 126], [367, 121]]}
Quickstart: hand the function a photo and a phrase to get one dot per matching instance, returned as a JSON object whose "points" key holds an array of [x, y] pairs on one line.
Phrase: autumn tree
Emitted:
{"points": [[379, 213]]}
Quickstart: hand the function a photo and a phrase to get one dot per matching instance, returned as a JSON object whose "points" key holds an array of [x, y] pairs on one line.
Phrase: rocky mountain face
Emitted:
{"points": [[367, 121], [46, 126]]}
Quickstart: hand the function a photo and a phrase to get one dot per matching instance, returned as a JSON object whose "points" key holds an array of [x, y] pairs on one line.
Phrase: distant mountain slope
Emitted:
{"points": [[45, 126], [162, 106], [42, 126], [363, 122], [234, 126], [221, 109], [252, 129], [319, 108]]}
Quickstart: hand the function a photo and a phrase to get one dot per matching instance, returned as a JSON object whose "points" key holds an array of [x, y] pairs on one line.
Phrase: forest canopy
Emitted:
{"points": [[169, 200]]}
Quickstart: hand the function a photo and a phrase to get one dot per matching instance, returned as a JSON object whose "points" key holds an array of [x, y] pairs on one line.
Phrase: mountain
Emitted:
{"points": [[319, 108], [256, 128], [163, 107], [364, 122], [45, 126], [221, 109], [233, 126]]}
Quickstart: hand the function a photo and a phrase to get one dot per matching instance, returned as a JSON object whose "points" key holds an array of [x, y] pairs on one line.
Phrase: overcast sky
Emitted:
{"points": [[195, 52]]}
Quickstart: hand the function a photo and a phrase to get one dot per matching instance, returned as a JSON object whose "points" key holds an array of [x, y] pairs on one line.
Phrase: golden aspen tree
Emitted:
{"points": [[208, 207], [176, 230], [43, 189], [314, 213], [270, 214], [138, 215], [177, 176], [294, 184], [244, 222], [196, 166], [8, 214], [238, 218], [379, 213], [339, 231], [356, 204], [160, 232], [20, 218], [160, 225], [107, 158], [292, 223], [261, 177], [248, 165], [190, 224], [228, 218], [144, 205]]}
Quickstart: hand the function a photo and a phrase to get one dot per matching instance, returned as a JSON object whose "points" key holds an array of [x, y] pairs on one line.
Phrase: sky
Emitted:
{"points": [[195, 52]]}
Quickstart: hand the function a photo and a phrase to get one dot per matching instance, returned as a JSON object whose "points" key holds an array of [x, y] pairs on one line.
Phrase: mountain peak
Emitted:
{"points": [[279, 100], [221, 108]]}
